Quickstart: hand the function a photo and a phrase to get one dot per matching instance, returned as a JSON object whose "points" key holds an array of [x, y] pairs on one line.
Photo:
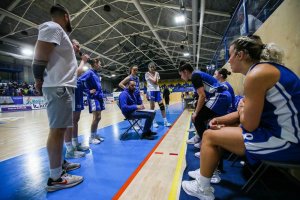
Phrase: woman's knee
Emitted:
{"points": [[209, 136]]}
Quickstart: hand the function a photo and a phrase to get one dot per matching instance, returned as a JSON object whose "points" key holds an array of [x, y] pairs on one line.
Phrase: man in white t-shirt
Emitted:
{"points": [[153, 91], [54, 69]]}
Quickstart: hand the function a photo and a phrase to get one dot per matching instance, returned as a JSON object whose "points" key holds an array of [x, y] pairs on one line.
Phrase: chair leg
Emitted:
{"points": [[132, 124], [234, 160], [123, 136], [221, 165], [135, 122], [230, 156], [255, 177]]}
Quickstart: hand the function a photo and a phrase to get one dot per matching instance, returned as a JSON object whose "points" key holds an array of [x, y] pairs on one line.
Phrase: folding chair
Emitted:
{"points": [[262, 169], [132, 122]]}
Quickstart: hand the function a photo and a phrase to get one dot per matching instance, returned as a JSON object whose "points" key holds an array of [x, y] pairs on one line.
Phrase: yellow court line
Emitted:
{"points": [[175, 183]]}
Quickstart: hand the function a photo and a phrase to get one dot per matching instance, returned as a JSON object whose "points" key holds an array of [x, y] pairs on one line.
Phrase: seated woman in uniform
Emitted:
{"points": [[268, 113]]}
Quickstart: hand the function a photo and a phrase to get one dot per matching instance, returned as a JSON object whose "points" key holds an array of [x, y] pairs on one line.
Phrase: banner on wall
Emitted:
{"points": [[8, 100], [18, 100], [35, 102], [13, 108]]}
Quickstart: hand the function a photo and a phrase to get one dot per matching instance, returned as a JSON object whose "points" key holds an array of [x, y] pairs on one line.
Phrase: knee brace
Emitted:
{"points": [[161, 106]]}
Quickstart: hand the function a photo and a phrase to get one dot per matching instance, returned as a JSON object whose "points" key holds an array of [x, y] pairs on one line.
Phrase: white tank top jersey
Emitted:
{"points": [[150, 85], [62, 64]]}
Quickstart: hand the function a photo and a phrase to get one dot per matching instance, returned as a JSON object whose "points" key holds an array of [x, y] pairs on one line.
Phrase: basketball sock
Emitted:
{"points": [[55, 173], [165, 120], [93, 135], [69, 146], [205, 182], [75, 141]]}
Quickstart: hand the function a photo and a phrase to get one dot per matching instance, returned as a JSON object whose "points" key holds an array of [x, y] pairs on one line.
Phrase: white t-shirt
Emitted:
{"points": [[62, 64], [150, 85]]}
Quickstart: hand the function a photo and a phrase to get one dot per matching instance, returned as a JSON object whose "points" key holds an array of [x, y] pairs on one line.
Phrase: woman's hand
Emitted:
{"points": [[194, 115], [214, 124], [240, 108]]}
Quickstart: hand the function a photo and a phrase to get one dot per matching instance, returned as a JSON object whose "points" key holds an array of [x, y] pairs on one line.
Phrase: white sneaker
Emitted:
{"points": [[94, 141], [197, 154], [99, 138], [68, 166], [80, 147], [155, 125], [74, 154], [65, 181], [193, 140], [192, 129], [214, 179], [197, 145], [167, 124], [194, 188]]}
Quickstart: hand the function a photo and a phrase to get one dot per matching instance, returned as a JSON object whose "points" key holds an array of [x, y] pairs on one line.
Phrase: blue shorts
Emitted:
{"points": [[96, 105], [260, 146], [154, 96], [79, 99]]}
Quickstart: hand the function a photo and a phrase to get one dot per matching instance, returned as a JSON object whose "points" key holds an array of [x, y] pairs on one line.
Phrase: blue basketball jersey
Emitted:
{"points": [[218, 99], [136, 80], [231, 92], [137, 88], [91, 80], [278, 130]]}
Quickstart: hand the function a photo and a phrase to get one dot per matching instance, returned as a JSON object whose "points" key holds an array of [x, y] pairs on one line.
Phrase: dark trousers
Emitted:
{"points": [[149, 116], [167, 100], [202, 118]]}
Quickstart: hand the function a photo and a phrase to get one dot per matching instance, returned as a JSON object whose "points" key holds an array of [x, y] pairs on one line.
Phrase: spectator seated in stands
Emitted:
{"points": [[131, 110], [17, 89]]}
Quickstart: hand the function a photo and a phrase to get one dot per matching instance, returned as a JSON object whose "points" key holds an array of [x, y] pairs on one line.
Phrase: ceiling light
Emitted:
{"points": [[113, 75], [180, 19], [186, 54], [27, 52]]}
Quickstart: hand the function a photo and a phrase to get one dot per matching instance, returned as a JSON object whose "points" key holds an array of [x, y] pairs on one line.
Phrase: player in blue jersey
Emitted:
{"points": [[133, 77], [221, 76], [214, 99], [268, 113], [92, 86], [75, 150]]}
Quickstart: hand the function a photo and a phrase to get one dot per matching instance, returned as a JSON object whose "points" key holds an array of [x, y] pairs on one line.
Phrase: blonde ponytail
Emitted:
{"points": [[272, 53]]}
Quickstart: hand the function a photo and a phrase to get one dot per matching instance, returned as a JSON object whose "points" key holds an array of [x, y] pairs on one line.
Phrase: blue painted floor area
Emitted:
{"points": [[105, 168], [234, 177]]}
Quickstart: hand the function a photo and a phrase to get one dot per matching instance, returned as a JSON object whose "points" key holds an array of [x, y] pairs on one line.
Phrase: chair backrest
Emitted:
{"points": [[118, 103]]}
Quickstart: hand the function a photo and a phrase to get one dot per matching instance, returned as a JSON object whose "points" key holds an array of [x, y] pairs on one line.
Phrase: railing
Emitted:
{"points": [[246, 19]]}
